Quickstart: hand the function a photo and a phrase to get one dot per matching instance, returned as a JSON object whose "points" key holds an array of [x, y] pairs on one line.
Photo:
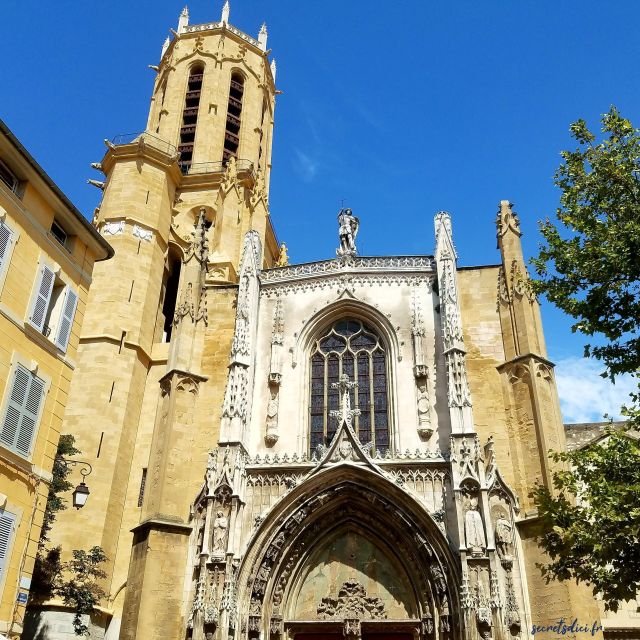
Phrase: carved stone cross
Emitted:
{"points": [[345, 413]]}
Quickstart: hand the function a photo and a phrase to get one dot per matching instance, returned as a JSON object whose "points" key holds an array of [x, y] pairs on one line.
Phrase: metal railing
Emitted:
{"points": [[148, 138], [199, 168]]}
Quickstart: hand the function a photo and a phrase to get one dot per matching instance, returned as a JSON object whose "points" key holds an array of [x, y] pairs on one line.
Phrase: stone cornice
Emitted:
{"points": [[524, 358], [359, 265]]}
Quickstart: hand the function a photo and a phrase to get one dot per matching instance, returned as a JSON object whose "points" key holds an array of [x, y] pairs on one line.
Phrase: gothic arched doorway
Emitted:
{"points": [[349, 554]]}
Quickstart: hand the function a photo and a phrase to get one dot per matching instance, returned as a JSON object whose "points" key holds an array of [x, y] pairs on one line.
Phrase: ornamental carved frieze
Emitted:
{"points": [[352, 602]]}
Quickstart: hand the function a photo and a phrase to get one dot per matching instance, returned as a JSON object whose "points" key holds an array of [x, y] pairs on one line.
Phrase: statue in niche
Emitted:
{"points": [[504, 537], [474, 529], [220, 530], [424, 417], [272, 415], [348, 226]]}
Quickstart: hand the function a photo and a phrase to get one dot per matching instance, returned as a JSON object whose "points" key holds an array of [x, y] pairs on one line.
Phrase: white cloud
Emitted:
{"points": [[585, 396], [306, 166]]}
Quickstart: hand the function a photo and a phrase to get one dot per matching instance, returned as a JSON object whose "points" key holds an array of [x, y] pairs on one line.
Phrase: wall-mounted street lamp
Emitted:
{"points": [[81, 492]]}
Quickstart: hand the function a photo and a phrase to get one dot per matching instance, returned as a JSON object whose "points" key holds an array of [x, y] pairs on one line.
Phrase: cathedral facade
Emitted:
{"points": [[343, 448]]}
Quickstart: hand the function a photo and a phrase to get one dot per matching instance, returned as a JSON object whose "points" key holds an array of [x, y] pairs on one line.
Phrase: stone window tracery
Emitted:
{"points": [[349, 347]]}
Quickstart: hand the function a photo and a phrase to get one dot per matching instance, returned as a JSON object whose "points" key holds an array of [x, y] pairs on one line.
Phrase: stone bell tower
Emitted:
{"points": [[178, 199]]}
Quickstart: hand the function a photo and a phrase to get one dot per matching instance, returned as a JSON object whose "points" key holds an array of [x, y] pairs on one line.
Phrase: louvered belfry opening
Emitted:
{"points": [[190, 117], [234, 109]]}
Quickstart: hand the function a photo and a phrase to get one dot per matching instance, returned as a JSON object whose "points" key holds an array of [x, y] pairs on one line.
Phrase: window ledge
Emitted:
{"points": [[15, 459], [31, 332]]}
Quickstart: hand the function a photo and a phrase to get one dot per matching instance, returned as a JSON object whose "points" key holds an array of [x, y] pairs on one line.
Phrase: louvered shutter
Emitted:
{"points": [[30, 415], [6, 238], [43, 297], [23, 410], [17, 396], [66, 319], [7, 521]]}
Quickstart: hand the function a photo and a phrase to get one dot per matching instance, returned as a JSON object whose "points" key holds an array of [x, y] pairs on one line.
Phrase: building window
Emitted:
{"points": [[7, 527], [7, 240], [59, 233], [353, 348], [234, 110], [7, 176], [143, 483], [53, 308], [190, 117], [26, 395]]}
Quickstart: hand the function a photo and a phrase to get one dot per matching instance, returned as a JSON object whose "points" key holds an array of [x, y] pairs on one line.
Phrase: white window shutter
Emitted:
{"points": [[6, 239], [66, 320], [23, 410], [43, 297], [30, 415], [17, 396], [7, 522]]}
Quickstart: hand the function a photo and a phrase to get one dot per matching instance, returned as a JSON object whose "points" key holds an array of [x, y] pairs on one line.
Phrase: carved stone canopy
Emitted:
{"points": [[352, 602]]}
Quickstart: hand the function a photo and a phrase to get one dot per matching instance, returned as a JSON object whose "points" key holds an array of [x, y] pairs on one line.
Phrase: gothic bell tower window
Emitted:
{"points": [[353, 348], [190, 117], [234, 111]]}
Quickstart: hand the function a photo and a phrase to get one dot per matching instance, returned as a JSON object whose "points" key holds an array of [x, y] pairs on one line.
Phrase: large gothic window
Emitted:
{"points": [[354, 348]]}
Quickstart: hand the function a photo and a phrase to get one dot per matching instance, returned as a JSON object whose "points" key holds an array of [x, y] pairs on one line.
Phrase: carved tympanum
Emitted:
{"points": [[352, 603]]}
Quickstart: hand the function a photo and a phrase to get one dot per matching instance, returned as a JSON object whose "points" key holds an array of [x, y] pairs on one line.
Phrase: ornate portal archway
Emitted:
{"points": [[349, 553]]}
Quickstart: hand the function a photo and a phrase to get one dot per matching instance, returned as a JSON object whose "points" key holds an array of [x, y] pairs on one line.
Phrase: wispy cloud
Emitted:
{"points": [[305, 165], [585, 396]]}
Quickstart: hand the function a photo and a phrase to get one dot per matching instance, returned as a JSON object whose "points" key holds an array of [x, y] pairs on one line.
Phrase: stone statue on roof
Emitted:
{"points": [[348, 226]]}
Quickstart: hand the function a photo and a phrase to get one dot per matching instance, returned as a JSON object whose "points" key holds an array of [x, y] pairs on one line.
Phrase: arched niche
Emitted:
{"points": [[351, 567]]}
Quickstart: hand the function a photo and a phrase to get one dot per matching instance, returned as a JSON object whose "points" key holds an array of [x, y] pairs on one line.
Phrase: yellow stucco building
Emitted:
{"points": [[47, 254]]}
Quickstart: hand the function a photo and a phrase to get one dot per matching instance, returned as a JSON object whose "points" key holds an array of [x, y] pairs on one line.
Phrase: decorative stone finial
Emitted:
{"points": [[283, 257], [226, 9], [165, 46], [183, 20], [345, 413], [273, 69], [348, 226], [507, 219], [262, 36]]}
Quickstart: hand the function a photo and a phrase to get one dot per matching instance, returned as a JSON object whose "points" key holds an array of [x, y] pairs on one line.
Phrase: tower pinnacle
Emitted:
{"points": [[225, 12], [183, 20], [262, 36]]}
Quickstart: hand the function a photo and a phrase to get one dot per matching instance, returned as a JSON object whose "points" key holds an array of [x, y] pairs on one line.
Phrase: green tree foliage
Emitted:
{"points": [[59, 485], [592, 520], [81, 591], [74, 581], [590, 268]]}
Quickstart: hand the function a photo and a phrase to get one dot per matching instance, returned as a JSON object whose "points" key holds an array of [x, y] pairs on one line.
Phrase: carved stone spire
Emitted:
{"points": [[458, 387], [226, 8], [165, 46], [235, 409], [262, 36], [183, 20]]}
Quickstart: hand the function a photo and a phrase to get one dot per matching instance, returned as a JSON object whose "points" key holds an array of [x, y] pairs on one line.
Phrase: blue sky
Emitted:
{"points": [[400, 108]]}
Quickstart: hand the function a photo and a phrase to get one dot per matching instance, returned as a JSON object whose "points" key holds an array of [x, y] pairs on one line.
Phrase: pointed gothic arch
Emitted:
{"points": [[349, 308], [349, 504]]}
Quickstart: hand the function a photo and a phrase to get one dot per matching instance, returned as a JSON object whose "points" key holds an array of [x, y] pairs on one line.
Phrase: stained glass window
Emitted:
{"points": [[353, 348]]}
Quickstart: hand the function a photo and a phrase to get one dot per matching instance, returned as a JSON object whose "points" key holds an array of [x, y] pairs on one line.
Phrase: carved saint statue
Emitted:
{"points": [[271, 436], [504, 536], [424, 417], [474, 529], [220, 530], [348, 226]]}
